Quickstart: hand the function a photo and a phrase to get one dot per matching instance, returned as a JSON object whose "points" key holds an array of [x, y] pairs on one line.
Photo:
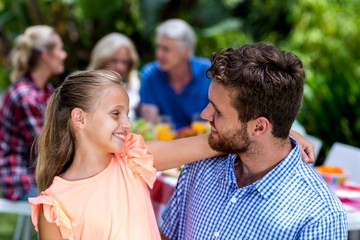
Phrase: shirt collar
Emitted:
{"points": [[268, 184], [225, 170], [278, 176]]}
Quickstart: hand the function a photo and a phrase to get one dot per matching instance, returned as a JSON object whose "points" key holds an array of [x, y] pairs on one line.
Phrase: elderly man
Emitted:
{"points": [[261, 189], [176, 84]]}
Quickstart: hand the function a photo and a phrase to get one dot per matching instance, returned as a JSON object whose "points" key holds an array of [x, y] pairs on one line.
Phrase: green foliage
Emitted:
{"points": [[80, 24], [325, 37], [97, 9], [146, 129], [7, 226], [324, 34], [212, 38]]}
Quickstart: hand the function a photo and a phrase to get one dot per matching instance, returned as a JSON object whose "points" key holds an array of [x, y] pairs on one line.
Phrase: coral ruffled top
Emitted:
{"points": [[114, 204]]}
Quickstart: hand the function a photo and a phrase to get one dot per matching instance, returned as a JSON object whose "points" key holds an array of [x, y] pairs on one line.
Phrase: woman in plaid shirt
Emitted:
{"points": [[37, 55]]}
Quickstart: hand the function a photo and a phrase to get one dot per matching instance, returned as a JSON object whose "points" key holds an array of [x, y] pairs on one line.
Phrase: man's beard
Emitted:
{"points": [[233, 141]]}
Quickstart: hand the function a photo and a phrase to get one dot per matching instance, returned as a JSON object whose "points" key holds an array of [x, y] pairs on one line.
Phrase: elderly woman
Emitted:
{"points": [[116, 52], [37, 55]]}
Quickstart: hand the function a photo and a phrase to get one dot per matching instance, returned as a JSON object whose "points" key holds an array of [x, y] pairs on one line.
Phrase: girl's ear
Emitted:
{"points": [[77, 118]]}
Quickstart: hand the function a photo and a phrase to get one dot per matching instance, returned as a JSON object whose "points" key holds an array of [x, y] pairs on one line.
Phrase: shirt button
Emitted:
{"points": [[216, 234], [233, 200]]}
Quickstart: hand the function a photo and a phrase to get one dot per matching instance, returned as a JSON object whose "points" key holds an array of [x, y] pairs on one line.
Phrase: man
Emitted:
{"points": [[261, 189], [175, 85]]}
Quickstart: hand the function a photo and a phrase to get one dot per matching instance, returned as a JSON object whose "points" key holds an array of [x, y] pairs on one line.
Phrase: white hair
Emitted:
{"points": [[106, 48], [180, 31]]}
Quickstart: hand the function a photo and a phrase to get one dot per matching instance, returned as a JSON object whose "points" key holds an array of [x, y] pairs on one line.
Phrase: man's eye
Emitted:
{"points": [[116, 113], [217, 113]]}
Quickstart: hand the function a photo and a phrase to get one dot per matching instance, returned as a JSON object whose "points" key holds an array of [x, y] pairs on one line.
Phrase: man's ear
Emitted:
{"points": [[260, 125], [187, 51], [78, 118]]}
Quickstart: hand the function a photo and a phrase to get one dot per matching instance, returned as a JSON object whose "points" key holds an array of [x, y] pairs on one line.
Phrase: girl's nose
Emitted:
{"points": [[127, 125]]}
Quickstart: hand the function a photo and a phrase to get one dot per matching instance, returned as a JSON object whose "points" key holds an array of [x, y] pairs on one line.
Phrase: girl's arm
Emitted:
{"points": [[306, 148], [174, 153], [48, 230]]}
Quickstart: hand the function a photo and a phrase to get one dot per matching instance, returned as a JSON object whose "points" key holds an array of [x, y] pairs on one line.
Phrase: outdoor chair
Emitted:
{"points": [[347, 157], [22, 209]]}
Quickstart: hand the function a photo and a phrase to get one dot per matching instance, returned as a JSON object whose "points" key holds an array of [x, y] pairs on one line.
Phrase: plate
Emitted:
{"points": [[344, 193]]}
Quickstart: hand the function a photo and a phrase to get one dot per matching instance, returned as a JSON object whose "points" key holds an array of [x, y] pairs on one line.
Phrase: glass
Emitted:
{"points": [[200, 125], [165, 128]]}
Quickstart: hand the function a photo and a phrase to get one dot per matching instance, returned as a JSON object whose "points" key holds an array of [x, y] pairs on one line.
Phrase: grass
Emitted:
{"points": [[7, 227]]}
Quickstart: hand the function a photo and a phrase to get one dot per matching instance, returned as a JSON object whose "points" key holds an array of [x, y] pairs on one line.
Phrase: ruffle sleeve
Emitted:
{"points": [[137, 158], [53, 212]]}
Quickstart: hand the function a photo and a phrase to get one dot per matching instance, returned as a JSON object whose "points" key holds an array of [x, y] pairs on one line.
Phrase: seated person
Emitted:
{"points": [[260, 189], [116, 52], [176, 84]]}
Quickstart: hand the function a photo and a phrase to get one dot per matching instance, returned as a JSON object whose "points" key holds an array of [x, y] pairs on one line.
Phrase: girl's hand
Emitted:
{"points": [[306, 148]]}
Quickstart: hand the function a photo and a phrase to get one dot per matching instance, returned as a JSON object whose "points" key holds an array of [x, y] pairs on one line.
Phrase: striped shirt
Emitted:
{"points": [[290, 202]]}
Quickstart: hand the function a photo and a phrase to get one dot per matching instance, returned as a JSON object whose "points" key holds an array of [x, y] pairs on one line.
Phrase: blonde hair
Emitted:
{"points": [[56, 143], [107, 46], [27, 49]]}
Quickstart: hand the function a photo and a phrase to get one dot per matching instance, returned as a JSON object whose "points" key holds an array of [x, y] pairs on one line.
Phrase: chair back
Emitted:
{"points": [[23, 226], [346, 157]]}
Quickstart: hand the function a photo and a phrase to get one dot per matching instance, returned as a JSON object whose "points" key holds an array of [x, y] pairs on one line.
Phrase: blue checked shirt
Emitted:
{"points": [[290, 202]]}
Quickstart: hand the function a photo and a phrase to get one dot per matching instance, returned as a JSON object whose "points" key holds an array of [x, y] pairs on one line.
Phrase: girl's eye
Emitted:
{"points": [[116, 113]]}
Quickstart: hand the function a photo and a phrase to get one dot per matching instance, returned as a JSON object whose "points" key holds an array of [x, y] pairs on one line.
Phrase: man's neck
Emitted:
{"points": [[259, 160], [180, 76]]}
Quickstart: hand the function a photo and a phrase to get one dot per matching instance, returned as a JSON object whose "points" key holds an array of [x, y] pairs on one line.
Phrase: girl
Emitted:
{"points": [[37, 55], [93, 174]]}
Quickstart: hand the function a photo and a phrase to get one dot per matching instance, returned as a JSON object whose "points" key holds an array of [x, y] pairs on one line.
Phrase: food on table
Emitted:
{"points": [[164, 131], [332, 175], [200, 127], [144, 128], [186, 132]]}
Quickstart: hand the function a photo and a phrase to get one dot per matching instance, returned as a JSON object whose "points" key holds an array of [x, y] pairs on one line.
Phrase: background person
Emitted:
{"points": [[261, 189], [116, 52], [175, 85], [37, 55]]}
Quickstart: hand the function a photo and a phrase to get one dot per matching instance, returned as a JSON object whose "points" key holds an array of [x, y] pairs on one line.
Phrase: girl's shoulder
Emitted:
{"points": [[136, 156], [54, 212]]}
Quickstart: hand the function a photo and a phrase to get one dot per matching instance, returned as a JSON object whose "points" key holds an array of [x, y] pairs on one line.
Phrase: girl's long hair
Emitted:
{"points": [[56, 143]]}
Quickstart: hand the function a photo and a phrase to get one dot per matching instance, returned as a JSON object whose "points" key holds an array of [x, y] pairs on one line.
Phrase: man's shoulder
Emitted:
{"points": [[201, 61], [149, 68], [321, 191]]}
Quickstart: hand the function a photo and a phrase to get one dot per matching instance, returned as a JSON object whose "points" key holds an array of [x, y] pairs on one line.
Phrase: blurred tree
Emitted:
{"points": [[325, 36], [323, 33]]}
